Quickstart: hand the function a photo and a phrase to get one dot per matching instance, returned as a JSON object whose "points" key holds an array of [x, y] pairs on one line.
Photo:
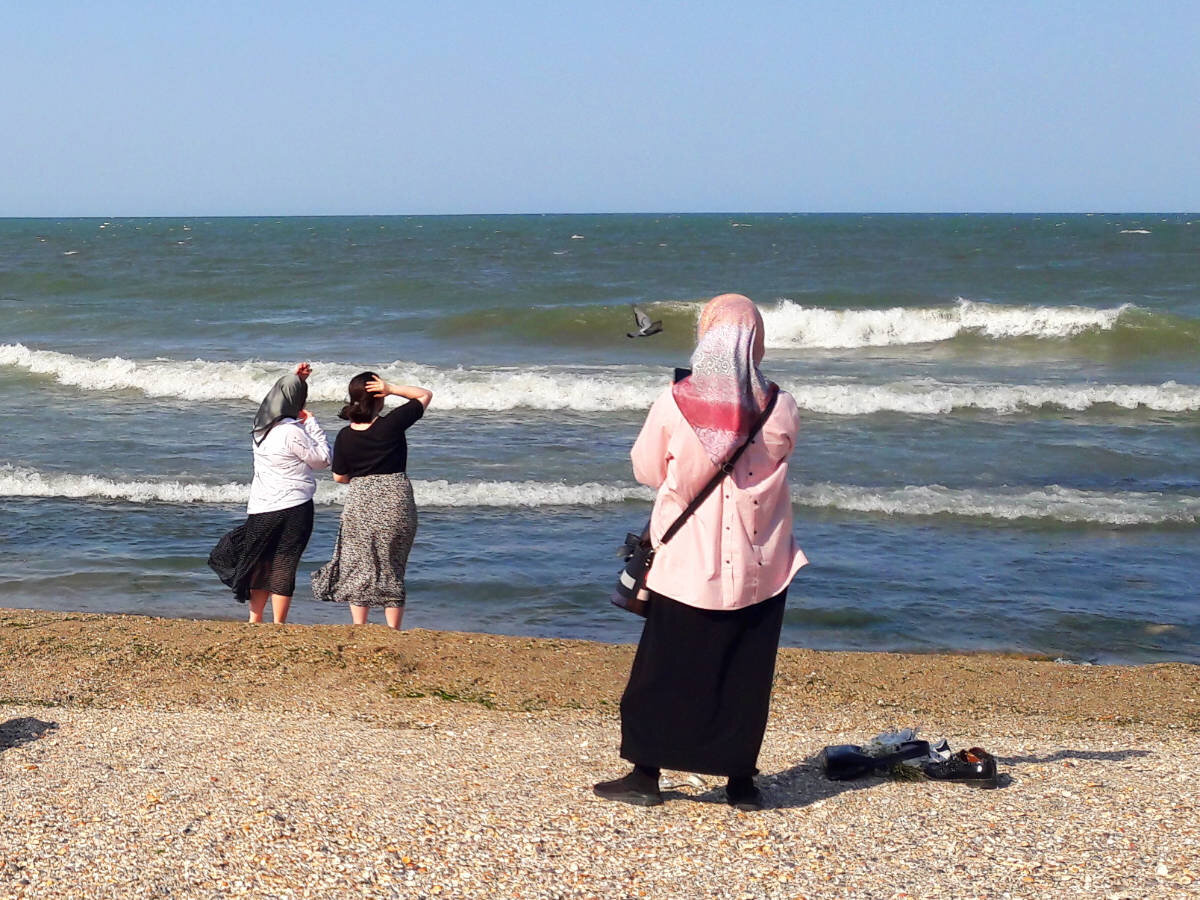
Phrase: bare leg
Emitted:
{"points": [[358, 614], [393, 614], [258, 602], [279, 607]]}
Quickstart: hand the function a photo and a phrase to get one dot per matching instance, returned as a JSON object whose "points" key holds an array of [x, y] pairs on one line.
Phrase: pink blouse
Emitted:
{"points": [[737, 549]]}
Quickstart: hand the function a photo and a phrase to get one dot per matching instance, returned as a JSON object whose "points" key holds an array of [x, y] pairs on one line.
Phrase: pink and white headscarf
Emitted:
{"points": [[726, 393]]}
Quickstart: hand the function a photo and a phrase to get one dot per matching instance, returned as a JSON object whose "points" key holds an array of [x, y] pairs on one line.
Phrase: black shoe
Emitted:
{"points": [[844, 762], [633, 788], [742, 794], [975, 764]]}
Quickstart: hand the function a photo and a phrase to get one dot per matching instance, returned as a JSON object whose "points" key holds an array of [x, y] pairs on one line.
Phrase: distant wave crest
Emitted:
{"points": [[788, 324], [792, 324]]}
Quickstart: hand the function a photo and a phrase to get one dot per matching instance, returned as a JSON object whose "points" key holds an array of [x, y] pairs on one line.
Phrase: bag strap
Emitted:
{"points": [[724, 469]]}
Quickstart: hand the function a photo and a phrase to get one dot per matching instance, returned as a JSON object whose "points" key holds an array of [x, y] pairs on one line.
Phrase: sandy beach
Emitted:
{"points": [[168, 757]]}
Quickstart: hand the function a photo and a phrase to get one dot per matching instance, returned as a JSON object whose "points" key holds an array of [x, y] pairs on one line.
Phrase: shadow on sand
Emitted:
{"points": [[801, 785], [1097, 755], [805, 784], [24, 730]]}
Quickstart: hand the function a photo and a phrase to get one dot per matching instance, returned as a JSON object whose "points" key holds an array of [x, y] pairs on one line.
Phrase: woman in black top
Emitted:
{"points": [[379, 520]]}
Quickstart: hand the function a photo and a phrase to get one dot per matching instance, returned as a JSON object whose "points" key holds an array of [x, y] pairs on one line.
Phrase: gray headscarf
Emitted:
{"points": [[283, 401]]}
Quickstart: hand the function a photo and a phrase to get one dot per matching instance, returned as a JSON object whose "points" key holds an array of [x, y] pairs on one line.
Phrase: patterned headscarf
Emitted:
{"points": [[726, 393]]}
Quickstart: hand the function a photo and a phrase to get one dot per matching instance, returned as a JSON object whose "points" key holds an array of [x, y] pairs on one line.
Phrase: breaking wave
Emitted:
{"points": [[496, 388], [931, 398], [1052, 503], [793, 325], [598, 389], [789, 324], [16, 481], [1048, 504]]}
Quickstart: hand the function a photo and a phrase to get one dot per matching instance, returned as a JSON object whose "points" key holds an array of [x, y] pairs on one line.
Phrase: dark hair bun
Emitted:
{"points": [[363, 405]]}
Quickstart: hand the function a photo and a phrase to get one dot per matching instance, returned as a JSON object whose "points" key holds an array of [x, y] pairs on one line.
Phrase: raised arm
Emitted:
{"points": [[312, 446], [649, 453], [381, 388]]}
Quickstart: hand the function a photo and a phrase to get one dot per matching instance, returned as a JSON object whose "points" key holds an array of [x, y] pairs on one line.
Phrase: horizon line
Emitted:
{"points": [[428, 215]]}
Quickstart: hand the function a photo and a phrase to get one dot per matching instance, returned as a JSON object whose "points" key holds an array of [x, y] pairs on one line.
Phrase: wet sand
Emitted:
{"points": [[82, 660]]}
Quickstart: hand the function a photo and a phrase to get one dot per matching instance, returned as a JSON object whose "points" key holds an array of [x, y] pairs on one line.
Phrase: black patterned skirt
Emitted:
{"points": [[379, 523], [264, 553], [700, 687]]}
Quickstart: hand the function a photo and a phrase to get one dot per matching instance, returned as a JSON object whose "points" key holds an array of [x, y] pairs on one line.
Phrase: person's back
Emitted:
{"points": [[379, 515], [284, 464], [381, 448], [737, 548], [258, 560]]}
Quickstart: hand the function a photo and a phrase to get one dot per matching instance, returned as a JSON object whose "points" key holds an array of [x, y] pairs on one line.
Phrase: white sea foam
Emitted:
{"points": [[789, 324], [525, 493], [931, 398], [499, 388], [600, 389], [1051, 503], [1047, 504], [18, 481]]}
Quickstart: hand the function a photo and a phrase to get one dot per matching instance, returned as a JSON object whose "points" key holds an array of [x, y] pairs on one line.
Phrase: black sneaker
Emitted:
{"points": [[843, 762], [742, 794], [633, 788]]}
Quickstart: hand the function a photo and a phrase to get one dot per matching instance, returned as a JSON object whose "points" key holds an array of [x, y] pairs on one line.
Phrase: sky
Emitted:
{"points": [[253, 108]]}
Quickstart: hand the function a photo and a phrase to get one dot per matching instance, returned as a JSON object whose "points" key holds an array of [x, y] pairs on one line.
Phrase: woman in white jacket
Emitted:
{"points": [[258, 560]]}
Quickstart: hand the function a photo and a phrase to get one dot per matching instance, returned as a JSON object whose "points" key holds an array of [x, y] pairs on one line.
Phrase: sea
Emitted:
{"points": [[999, 452]]}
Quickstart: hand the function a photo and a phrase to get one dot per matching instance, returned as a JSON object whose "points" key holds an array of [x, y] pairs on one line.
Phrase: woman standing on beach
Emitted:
{"points": [[700, 687], [259, 559], [379, 520]]}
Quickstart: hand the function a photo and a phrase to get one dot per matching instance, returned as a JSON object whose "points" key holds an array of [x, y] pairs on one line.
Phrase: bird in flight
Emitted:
{"points": [[645, 327]]}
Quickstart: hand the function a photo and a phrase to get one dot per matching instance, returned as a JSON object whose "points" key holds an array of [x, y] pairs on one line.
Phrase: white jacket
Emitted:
{"points": [[284, 463]]}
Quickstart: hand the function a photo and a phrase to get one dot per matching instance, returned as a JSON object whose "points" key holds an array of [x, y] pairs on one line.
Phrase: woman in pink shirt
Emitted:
{"points": [[699, 691]]}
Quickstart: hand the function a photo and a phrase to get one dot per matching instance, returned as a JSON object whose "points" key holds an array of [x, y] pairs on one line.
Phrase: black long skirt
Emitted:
{"points": [[264, 553], [700, 688]]}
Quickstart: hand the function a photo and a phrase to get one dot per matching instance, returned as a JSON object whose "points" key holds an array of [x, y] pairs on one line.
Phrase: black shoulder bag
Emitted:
{"points": [[638, 552]]}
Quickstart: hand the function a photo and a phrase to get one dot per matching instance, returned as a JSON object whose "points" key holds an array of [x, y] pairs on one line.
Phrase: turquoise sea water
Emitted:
{"points": [[1001, 440]]}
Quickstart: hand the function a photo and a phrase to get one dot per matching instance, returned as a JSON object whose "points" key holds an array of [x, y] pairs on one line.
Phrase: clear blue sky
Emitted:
{"points": [[127, 108]]}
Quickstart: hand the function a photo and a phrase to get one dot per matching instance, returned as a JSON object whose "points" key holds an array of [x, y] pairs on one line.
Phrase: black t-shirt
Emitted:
{"points": [[379, 450]]}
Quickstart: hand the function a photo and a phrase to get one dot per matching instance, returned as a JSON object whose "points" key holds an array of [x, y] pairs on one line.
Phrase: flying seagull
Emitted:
{"points": [[644, 325]]}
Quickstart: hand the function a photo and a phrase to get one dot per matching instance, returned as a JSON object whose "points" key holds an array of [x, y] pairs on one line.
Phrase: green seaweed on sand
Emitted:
{"points": [[901, 772]]}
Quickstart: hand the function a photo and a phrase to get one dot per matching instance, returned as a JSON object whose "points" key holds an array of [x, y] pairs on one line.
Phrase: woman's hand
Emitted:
{"points": [[303, 370], [378, 387]]}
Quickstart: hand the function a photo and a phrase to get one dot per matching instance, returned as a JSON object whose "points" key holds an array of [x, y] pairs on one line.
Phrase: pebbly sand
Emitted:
{"points": [[148, 757]]}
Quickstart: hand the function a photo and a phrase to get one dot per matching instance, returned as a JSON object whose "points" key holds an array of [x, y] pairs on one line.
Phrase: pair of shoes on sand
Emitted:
{"points": [[844, 762], [640, 790]]}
